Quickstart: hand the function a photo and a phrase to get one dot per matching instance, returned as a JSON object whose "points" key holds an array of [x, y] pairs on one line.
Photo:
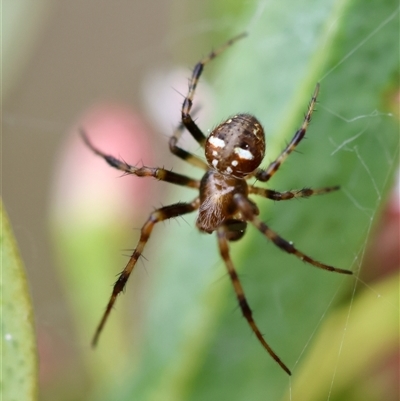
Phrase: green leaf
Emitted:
{"points": [[19, 379], [372, 333]]}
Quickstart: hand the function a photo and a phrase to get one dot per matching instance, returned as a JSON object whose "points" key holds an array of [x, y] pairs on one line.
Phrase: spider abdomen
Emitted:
{"points": [[237, 146], [216, 199]]}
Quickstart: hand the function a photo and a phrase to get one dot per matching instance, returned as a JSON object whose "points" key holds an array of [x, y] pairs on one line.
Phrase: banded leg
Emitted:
{"points": [[184, 154], [265, 175], [290, 248], [164, 213], [295, 193], [187, 120], [158, 173], [246, 208], [244, 306]]}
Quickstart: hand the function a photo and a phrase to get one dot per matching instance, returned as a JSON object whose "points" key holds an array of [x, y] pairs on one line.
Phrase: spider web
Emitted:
{"points": [[377, 185]]}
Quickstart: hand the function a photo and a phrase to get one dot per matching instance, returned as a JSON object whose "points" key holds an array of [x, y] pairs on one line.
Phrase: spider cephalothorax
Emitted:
{"points": [[234, 151]]}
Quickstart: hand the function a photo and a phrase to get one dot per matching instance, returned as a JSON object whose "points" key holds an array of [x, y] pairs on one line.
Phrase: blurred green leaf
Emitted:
{"points": [[372, 334], [87, 254], [19, 379]]}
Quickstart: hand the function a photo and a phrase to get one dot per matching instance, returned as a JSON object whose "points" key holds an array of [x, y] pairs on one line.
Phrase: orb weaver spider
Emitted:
{"points": [[234, 151]]}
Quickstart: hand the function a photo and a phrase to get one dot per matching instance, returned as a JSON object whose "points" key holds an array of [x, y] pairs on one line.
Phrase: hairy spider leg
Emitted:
{"points": [[158, 215], [289, 247], [187, 120], [265, 175], [158, 173], [164, 213], [244, 306], [294, 193], [182, 153], [246, 208]]}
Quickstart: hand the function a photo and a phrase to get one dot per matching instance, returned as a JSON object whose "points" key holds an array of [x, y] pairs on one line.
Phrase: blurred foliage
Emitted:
{"points": [[18, 43], [19, 378], [360, 355]]}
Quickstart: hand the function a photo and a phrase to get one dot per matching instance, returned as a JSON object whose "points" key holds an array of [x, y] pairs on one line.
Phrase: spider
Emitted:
{"points": [[234, 151]]}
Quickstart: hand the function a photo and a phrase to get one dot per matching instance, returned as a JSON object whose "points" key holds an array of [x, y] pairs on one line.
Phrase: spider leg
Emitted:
{"points": [[295, 193], [265, 175], [164, 213], [183, 154], [290, 248], [247, 209], [244, 306], [187, 120], [158, 173]]}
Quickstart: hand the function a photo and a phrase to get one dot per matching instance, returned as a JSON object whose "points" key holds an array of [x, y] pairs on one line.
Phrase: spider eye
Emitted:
{"points": [[244, 145]]}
